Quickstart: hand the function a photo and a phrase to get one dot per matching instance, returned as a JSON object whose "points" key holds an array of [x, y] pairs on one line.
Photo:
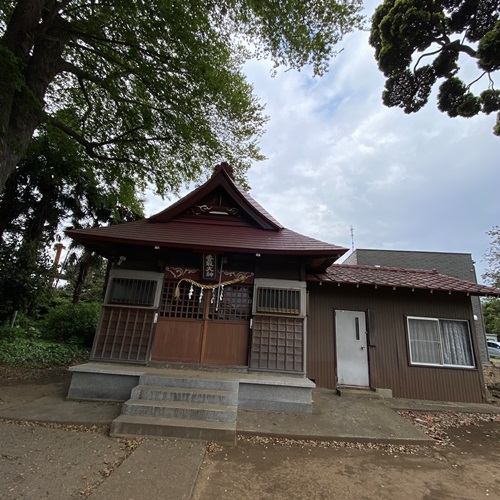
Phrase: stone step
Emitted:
{"points": [[357, 391], [134, 425], [192, 382], [209, 396], [180, 409]]}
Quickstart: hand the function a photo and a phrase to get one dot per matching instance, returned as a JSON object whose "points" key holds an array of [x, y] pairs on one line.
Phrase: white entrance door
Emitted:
{"points": [[352, 351]]}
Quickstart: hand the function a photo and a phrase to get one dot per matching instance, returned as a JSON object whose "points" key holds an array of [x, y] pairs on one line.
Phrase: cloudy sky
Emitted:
{"points": [[336, 158]]}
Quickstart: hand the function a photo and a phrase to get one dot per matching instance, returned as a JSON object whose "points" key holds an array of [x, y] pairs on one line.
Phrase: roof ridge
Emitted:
{"points": [[386, 268]]}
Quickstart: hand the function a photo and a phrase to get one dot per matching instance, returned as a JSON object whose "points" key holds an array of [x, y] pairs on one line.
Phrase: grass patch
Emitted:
{"points": [[39, 353]]}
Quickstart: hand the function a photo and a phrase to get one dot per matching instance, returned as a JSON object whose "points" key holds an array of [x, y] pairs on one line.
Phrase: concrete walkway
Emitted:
{"points": [[347, 418], [163, 469]]}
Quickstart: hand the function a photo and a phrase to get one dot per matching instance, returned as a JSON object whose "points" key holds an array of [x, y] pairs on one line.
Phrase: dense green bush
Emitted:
{"points": [[25, 327], [71, 322], [62, 337], [37, 353]]}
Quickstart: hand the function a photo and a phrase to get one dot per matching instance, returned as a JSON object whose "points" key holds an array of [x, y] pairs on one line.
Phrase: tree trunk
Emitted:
{"points": [[30, 58], [9, 209], [83, 270]]}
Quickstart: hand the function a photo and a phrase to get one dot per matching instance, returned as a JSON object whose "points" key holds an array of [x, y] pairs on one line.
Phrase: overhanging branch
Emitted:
{"points": [[90, 147], [78, 72], [425, 55]]}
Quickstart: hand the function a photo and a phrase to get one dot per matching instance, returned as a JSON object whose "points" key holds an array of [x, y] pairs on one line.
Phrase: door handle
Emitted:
{"points": [[362, 347]]}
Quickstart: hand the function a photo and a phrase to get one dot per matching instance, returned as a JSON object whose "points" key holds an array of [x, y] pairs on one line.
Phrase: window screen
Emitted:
{"points": [[133, 292], [278, 300]]}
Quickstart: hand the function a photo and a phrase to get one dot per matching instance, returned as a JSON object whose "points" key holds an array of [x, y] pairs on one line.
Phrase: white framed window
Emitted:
{"points": [[440, 342]]}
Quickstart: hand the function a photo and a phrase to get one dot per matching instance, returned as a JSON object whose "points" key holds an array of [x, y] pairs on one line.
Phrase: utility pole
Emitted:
{"points": [[58, 247]]}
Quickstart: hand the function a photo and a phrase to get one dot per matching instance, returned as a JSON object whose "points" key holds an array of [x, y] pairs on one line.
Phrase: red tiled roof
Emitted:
{"points": [[400, 278], [212, 236]]}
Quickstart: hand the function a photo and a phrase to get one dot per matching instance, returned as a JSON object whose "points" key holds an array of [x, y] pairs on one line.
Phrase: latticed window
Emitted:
{"points": [[132, 292], [277, 343], [188, 305], [232, 302], [278, 300]]}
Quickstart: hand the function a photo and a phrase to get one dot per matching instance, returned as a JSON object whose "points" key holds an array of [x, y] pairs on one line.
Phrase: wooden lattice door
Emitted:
{"points": [[203, 326]]}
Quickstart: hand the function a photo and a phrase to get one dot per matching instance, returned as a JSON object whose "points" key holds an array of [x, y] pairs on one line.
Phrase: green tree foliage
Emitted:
{"points": [[492, 257], [53, 184], [491, 308], [84, 276], [418, 42], [24, 272], [491, 314], [154, 90]]}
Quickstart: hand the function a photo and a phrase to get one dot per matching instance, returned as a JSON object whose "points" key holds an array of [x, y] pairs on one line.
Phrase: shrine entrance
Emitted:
{"points": [[206, 326]]}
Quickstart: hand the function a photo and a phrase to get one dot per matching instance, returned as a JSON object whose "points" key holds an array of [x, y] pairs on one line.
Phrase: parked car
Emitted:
{"points": [[493, 349]]}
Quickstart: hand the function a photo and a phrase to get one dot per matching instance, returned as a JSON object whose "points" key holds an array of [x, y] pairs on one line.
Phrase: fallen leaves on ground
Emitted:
{"points": [[100, 429], [435, 424], [309, 443]]}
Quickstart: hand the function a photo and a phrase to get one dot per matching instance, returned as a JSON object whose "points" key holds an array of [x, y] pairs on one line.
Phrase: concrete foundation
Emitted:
{"points": [[257, 391], [294, 395], [101, 386]]}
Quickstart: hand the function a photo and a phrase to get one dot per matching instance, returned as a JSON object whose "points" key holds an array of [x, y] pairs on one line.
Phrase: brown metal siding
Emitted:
{"points": [[321, 361], [389, 359]]}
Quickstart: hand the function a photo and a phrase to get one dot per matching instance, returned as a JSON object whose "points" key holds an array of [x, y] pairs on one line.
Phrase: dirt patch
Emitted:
{"points": [[467, 467], [462, 464], [15, 375]]}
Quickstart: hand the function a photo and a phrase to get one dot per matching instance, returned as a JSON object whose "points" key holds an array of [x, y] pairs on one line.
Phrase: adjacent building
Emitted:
{"points": [[458, 265]]}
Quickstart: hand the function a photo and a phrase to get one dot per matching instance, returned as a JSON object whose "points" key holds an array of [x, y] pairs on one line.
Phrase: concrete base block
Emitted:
{"points": [[384, 393], [101, 386], [273, 396]]}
